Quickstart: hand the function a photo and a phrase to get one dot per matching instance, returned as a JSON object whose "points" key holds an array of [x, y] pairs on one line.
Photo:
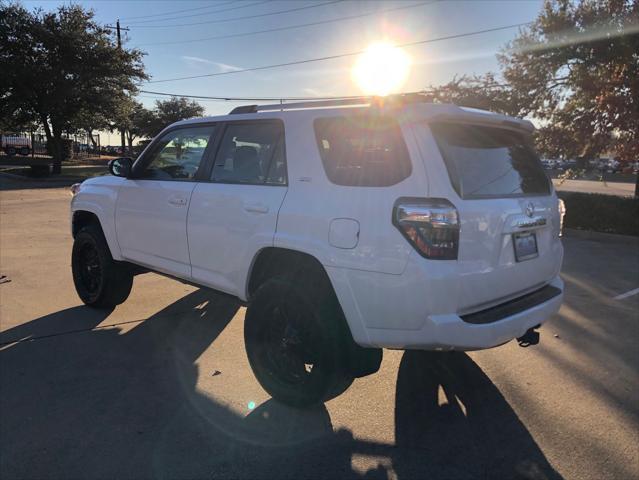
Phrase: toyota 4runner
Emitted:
{"points": [[346, 227]]}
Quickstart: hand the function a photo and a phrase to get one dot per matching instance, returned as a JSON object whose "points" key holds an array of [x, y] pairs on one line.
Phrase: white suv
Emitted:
{"points": [[345, 228]]}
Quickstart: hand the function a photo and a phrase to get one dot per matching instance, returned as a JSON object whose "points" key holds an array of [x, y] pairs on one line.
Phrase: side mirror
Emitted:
{"points": [[121, 167]]}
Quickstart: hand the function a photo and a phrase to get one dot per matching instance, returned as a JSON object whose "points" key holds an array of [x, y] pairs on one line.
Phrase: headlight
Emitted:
{"points": [[74, 189]]}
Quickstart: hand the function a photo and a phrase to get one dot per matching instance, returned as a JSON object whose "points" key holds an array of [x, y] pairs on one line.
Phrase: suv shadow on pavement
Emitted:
{"points": [[106, 403], [451, 421]]}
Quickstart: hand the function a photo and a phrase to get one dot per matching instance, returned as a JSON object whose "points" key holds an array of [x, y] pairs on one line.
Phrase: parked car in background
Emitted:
{"points": [[560, 164], [112, 150], [613, 166], [600, 164], [15, 144], [608, 165]]}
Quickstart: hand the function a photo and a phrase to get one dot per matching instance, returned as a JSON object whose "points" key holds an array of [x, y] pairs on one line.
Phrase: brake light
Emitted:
{"points": [[431, 225]]}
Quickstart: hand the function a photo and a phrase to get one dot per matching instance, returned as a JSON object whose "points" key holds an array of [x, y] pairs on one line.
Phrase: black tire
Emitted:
{"points": [[11, 151], [100, 281], [24, 151], [296, 341]]}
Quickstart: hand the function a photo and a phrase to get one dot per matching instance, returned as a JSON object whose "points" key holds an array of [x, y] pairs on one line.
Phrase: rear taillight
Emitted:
{"points": [[431, 225]]}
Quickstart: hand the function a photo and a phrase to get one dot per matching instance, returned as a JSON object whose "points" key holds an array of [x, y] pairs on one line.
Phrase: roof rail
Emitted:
{"points": [[397, 99], [315, 104], [244, 109]]}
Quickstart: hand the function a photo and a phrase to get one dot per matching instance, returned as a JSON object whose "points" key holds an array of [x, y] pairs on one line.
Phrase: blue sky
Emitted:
{"points": [[433, 63]]}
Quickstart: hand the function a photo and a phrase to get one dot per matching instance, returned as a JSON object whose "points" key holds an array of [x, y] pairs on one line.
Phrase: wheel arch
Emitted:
{"points": [[82, 218], [83, 215], [274, 261]]}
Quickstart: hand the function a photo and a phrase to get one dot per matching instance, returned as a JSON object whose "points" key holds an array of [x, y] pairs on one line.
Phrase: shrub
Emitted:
{"points": [[601, 213]]}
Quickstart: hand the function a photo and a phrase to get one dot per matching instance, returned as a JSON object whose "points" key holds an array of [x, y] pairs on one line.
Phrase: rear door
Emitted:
{"points": [[234, 213], [152, 207], [508, 211]]}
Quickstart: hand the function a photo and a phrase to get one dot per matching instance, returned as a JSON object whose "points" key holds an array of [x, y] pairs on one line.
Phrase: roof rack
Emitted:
{"points": [[398, 99], [244, 109]]}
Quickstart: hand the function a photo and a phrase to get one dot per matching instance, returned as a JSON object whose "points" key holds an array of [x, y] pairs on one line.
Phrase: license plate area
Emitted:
{"points": [[525, 244]]}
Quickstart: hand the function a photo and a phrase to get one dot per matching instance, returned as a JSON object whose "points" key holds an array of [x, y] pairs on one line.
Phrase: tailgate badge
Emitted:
{"points": [[530, 209]]}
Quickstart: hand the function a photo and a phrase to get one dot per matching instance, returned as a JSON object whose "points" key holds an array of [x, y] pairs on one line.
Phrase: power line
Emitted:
{"points": [[159, 95], [246, 17], [342, 55], [156, 97], [250, 99], [291, 27], [179, 11], [237, 7]]}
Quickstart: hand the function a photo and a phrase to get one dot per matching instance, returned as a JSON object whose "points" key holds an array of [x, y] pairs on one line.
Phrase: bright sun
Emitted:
{"points": [[381, 69]]}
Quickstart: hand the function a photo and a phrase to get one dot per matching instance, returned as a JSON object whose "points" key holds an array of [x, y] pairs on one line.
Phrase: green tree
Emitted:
{"points": [[122, 119], [169, 111], [576, 70], [88, 121], [138, 122], [63, 69]]}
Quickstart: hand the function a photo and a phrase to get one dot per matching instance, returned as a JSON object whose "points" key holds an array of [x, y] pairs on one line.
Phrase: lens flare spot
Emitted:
{"points": [[381, 69], [251, 405]]}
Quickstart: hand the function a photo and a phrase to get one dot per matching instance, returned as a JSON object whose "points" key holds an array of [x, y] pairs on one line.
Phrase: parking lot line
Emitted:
{"points": [[627, 294]]}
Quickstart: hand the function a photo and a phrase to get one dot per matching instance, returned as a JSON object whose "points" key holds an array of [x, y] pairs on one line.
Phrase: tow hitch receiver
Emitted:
{"points": [[531, 337]]}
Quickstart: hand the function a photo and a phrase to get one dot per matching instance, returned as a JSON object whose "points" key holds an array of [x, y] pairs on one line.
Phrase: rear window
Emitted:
{"points": [[362, 150], [488, 162], [251, 152]]}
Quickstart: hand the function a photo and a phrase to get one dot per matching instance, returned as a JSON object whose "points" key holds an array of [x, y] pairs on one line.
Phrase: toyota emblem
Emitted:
{"points": [[530, 209]]}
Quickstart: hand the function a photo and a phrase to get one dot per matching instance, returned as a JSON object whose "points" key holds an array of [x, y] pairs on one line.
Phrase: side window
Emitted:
{"points": [[362, 150], [178, 154], [277, 171], [251, 153]]}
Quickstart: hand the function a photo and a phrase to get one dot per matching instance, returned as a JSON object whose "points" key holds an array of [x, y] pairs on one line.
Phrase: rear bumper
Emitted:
{"points": [[388, 311], [452, 332]]}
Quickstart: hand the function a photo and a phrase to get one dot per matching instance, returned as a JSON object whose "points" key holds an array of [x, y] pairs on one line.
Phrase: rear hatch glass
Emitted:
{"points": [[507, 244], [489, 162]]}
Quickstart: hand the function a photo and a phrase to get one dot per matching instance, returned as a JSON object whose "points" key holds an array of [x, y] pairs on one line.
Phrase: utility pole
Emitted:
{"points": [[117, 27], [117, 30]]}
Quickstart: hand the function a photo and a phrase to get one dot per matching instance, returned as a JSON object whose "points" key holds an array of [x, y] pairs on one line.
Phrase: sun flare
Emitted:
{"points": [[381, 69]]}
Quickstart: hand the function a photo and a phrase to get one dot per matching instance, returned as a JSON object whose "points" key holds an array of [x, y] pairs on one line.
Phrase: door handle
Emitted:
{"points": [[177, 201], [256, 207]]}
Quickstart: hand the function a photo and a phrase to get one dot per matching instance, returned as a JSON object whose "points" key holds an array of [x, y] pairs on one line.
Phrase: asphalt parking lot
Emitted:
{"points": [[160, 387]]}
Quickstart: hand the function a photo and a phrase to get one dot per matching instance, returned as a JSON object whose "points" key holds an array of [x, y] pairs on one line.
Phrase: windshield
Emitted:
{"points": [[489, 162]]}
